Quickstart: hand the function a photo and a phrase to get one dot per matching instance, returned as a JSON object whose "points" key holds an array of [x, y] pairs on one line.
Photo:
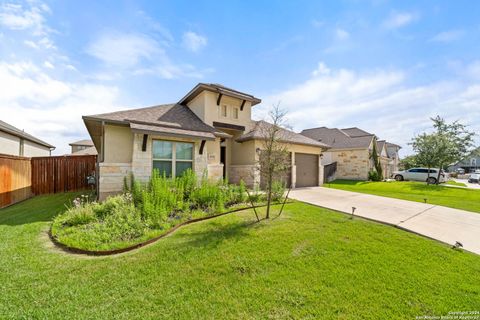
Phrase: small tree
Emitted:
{"points": [[273, 158], [376, 162], [449, 143]]}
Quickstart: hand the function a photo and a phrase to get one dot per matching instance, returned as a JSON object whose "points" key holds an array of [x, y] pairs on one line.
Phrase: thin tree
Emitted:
{"points": [[274, 159]]}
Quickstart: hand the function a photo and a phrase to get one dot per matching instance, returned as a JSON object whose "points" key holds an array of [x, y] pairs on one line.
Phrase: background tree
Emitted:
{"points": [[409, 162], [274, 159], [449, 143], [376, 162]]}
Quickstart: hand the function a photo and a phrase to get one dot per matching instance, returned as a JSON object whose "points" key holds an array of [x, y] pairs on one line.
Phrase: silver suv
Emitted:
{"points": [[419, 174]]}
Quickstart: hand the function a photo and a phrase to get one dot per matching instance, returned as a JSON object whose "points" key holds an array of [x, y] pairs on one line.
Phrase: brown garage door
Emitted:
{"points": [[307, 170]]}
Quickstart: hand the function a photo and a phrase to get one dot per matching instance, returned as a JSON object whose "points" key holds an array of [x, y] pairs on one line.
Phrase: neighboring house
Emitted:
{"points": [[209, 130], [470, 163], [83, 147], [16, 142], [351, 150]]}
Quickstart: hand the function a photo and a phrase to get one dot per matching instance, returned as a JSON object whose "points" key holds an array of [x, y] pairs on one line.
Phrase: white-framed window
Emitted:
{"points": [[473, 161], [172, 158], [235, 113]]}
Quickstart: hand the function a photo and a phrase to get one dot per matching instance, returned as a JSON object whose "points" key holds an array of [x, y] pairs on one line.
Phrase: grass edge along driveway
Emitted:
{"points": [[458, 198], [309, 263]]}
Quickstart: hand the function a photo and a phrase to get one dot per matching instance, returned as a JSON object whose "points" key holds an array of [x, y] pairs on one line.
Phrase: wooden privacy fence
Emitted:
{"points": [[15, 179], [62, 173]]}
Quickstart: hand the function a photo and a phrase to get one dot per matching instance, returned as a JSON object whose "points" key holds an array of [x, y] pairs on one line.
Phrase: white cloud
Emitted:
{"points": [[380, 101], [49, 108], [48, 65], [138, 54], [341, 34], [399, 19], [193, 41], [317, 23], [16, 17], [447, 36], [124, 50]]}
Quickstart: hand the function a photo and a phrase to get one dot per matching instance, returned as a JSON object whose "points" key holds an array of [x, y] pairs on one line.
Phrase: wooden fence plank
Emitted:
{"points": [[15, 179], [62, 173]]}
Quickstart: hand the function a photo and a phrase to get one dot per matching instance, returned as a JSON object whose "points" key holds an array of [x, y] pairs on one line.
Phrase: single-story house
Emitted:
{"points": [[83, 147], [351, 150], [16, 142], [470, 163], [209, 130]]}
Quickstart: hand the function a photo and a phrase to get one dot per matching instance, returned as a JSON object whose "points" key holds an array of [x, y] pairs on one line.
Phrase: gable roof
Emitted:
{"points": [[287, 136], [380, 146], [356, 132], [174, 119], [339, 138], [88, 151], [84, 142], [8, 128], [218, 88]]}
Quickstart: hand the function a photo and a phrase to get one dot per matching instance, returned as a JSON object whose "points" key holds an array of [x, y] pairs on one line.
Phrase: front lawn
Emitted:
{"points": [[309, 263], [459, 198]]}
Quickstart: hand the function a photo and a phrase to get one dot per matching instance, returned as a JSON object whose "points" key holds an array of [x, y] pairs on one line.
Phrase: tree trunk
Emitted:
{"points": [[439, 173], [269, 195]]}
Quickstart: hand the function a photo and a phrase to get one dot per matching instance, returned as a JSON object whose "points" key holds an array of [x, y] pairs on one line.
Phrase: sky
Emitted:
{"points": [[383, 66]]}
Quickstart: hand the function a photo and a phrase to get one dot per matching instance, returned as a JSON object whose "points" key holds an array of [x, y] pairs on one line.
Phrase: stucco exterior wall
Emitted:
{"points": [[9, 144], [118, 144], [31, 149], [351, 164]]}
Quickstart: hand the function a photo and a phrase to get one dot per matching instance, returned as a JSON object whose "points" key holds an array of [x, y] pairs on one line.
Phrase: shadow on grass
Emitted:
{"points": [[212, 233], [37, 209]]}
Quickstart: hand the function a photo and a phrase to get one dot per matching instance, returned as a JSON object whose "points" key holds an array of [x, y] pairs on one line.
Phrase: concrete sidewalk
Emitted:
{"points": [[437, 222]]}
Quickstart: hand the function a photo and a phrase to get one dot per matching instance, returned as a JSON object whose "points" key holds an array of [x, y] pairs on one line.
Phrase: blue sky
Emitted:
{"points": [[383, 66]]}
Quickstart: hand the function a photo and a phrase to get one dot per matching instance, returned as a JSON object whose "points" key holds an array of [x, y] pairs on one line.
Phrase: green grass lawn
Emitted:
{"points": [[459, 198], [309, 263], [455, 183]]}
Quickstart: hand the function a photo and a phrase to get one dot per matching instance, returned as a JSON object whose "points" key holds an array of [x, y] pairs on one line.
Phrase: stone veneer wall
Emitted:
{"points": [[111, 178], [352, 164], [247, 173]]}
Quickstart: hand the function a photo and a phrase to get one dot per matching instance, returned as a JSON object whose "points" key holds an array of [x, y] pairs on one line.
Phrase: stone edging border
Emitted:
{"points": [[74, 250]]}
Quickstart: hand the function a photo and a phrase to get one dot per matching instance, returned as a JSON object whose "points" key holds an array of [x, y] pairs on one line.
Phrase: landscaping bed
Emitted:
{"points": [[145, 212]]}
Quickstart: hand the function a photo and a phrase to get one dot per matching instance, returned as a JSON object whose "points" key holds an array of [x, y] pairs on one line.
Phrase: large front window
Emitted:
{"points": [[172, 158]]}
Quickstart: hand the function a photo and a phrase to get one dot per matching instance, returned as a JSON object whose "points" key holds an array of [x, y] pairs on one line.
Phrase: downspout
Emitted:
{"points": [[100, 158]]}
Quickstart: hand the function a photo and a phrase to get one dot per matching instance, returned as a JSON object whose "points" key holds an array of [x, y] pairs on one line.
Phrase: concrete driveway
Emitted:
{"points": [[437, 222]]}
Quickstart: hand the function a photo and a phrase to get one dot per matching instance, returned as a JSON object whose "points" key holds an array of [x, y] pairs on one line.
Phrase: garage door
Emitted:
{"points": [[307, 170]]}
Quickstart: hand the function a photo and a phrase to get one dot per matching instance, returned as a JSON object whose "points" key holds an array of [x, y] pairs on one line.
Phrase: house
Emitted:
{"points": [[470, 163], [351, 150], [16, 142], [83, 147], [209, 130]]}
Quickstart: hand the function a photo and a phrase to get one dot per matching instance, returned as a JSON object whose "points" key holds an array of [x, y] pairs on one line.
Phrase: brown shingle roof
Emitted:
{"points": [[338, 138], [165, 118], [22, 134], [257, 133], [214, 87], [356, 132]]}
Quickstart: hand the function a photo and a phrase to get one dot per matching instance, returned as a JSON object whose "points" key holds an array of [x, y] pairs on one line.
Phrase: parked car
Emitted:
{"points": [[474, 178], [460, 171], [419, 174]]}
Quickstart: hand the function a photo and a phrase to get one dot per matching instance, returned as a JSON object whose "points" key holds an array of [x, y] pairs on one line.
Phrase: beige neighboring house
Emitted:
{"points": [[83, 147], [209, 130], [16, 142], [351, 150]]}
